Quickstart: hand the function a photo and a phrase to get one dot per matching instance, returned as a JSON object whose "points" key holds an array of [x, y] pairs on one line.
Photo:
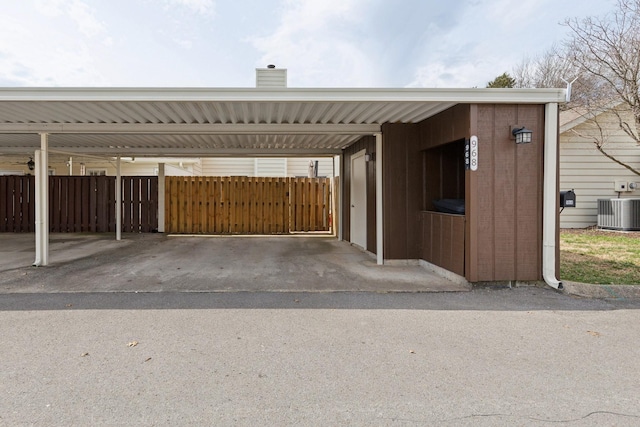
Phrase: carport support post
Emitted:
{"points": [[42, 202], [160, 197], [118, 200], [379, 205]]}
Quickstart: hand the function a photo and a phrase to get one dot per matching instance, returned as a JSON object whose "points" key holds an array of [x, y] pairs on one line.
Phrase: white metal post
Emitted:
{"points": [[42, 201], [161, 200], [379, 204], [38, 209], [118, 200], [340, 209], [44, 147]]}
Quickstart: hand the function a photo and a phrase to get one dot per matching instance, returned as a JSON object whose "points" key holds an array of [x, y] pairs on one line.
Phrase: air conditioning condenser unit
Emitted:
{"points": [[619, 214]]}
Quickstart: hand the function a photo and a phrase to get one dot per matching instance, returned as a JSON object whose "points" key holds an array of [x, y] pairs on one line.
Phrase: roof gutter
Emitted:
{"points": [[276, 94], [550, 197]]}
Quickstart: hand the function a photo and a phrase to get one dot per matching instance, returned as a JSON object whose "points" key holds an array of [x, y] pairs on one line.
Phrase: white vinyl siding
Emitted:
{"points": [[197, 169], [271, 167], [265, 166], [126, 169], [300, 166], [228, 166], [592, 175]]}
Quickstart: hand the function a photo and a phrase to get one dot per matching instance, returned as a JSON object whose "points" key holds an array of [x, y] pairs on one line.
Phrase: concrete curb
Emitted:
{"points": [[618, 292]]}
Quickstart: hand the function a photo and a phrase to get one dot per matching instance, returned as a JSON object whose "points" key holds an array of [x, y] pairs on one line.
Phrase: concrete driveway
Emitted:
{"points": [[158, 262]]}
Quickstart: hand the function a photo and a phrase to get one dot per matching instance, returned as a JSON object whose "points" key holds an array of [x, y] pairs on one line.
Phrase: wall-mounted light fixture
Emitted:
{"points": [[521, 134], [369, 157], [31, 164]]}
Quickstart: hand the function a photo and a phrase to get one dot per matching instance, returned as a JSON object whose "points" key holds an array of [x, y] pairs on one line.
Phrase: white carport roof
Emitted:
{"points": [[202, 122]]}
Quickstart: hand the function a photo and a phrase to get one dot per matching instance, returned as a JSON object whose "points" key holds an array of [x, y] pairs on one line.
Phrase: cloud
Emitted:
{"points": [[317, 41], [85, 19], [48, 57], [80, 13], [205, 7]]}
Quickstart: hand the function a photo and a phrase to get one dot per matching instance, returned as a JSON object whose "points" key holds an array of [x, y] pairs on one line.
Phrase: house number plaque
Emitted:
{"points": [[471, 153]]}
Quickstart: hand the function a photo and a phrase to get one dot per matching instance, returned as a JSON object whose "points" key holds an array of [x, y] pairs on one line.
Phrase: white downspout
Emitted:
{"points": [[379, 204], [550, 197], [118, 200]]}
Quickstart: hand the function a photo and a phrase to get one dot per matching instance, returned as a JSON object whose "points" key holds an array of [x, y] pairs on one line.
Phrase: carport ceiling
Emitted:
{"points": [[211, 122]]}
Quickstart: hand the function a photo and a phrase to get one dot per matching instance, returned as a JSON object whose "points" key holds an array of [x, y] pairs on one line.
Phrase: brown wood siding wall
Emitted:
{"points": [[503, 198], [402, 191], [443, 240], [508, 242], [403, 164], [448, 126], [367, 143]]}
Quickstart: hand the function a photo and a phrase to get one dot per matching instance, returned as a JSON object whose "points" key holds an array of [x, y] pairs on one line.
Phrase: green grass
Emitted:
{"points": [[600, 257]]}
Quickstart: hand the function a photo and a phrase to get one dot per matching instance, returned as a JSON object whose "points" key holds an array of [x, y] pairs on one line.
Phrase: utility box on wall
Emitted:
{"points": [[567, 199]]}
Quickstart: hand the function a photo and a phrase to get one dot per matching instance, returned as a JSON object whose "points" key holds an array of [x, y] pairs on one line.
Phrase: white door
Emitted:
{"points": [[358, 221]]}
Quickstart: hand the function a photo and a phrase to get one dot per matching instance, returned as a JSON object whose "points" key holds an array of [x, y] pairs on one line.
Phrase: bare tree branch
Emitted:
{"points": [[609, 156]]}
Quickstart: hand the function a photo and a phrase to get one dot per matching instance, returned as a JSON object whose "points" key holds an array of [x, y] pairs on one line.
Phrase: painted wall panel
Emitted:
{"points": [[509, 243]]}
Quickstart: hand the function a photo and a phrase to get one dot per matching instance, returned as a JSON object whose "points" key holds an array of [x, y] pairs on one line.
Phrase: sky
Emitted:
{"points": [[321, 43]]}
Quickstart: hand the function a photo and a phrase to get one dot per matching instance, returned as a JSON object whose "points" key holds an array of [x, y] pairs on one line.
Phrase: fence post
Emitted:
{"points": [[161, 189], [118, 200]]}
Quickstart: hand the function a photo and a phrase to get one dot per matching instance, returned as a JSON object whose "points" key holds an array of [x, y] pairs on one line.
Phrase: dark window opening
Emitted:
{"points": [[443, 178]]}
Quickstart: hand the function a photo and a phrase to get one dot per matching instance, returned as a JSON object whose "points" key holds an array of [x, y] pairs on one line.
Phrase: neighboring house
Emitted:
{"points": [[80, 166], [267, 166], [587, 171], [215, 166]]}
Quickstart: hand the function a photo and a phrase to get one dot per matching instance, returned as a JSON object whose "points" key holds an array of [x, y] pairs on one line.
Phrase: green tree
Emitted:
{"points": [[503, 80]]}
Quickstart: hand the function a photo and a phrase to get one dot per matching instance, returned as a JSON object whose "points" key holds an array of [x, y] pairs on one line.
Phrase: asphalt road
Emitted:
{"points": [[526, 356]]}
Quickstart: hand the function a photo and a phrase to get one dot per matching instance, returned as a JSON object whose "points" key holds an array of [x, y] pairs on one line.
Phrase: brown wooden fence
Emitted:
{"points": [[17, 195], [80, 204], [246, 205], [139, 204]]}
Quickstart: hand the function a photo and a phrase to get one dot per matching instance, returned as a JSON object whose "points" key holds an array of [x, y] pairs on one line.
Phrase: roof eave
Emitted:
{"points": [[472, 95]]}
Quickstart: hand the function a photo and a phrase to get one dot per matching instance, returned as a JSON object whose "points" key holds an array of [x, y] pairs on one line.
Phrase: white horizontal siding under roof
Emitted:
{"points": [[265, 166], [228, 166], [271, 167]]}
